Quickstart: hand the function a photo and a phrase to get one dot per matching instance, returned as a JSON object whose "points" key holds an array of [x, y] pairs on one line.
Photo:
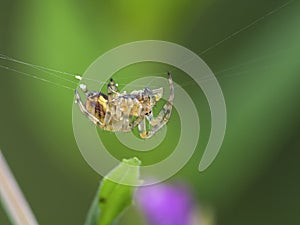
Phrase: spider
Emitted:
{"points": [[122, 112]]}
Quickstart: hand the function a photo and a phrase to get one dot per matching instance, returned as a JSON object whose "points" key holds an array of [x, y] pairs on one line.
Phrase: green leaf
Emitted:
{"points": [[115, 193]]}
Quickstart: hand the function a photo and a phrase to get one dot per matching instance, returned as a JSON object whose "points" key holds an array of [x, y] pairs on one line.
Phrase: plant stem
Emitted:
{"points": [[12, 198]]}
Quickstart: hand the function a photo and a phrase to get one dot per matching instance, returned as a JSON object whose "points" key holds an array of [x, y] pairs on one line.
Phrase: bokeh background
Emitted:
{"points": [[255, 178]]}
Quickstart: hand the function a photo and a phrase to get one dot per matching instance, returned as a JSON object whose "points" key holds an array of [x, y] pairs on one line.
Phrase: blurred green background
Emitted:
{"points": [[255, 178]]}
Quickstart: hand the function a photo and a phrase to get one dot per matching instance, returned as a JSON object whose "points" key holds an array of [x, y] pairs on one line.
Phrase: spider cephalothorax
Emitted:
{"points": [[122, 112]]}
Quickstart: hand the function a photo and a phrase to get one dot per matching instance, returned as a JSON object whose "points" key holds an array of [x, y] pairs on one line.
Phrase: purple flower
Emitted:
{"points": [[165, 204]]}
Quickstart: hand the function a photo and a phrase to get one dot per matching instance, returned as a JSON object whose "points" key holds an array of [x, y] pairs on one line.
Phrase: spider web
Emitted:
{"points": [[58, 73]]}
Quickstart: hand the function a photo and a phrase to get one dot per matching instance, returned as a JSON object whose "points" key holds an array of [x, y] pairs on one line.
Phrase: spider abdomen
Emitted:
{"points": [[97, 104]]}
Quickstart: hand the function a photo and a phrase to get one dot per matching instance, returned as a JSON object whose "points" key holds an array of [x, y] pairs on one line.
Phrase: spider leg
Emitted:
{"points": [[110, 112], [107, 118], [112, 90], [142, 128], [84, 111], [126, 117], [83, 88], [153, 121], [164, 115], [138, 120]]}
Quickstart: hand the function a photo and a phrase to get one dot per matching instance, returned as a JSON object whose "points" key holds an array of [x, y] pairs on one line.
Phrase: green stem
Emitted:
{"points": [[12, 198]]}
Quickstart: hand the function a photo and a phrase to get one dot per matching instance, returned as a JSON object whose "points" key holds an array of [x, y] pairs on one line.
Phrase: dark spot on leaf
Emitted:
{"points": [[102, 200]]}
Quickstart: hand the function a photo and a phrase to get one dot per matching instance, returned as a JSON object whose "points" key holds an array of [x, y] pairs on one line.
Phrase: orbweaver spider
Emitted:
{"points": [[122, 112]]}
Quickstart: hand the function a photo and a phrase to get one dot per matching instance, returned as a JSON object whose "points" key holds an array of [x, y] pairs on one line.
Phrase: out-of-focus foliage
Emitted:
{"points": [[258, 70]]}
